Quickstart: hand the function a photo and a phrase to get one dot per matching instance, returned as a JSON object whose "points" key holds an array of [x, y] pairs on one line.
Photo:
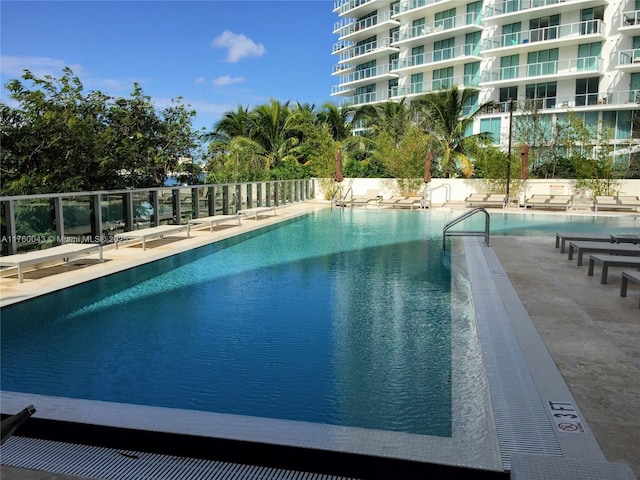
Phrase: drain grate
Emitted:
{"points": [[107, 463]]}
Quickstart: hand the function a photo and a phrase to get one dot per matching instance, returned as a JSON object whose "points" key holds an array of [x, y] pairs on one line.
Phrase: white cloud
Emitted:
{"points": [[238, 46], [227, 80], [39, 66], [200, 81]]}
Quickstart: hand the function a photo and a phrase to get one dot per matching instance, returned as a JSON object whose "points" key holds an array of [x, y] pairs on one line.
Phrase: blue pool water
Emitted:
{"points": [[337, 317]]}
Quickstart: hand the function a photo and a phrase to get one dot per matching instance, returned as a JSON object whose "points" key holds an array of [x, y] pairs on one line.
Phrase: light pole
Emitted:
{"points": [[509, 146]]}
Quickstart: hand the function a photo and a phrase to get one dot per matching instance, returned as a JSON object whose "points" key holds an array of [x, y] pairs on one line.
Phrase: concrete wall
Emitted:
{"points": [[457, 189]]}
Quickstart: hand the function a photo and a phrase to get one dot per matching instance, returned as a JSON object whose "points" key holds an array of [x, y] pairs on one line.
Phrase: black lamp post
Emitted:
{"points": [[509, 146]]}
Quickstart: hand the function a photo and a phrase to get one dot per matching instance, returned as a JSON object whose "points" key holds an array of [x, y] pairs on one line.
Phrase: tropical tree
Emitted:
{"points": [[450, 127]]}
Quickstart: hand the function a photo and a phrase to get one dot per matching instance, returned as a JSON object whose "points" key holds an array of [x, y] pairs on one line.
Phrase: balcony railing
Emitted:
{"points": [[343, 6], [364, 98], [589, 27], [629, 98], [453, 53], [34, 222], [556, 67], [630, 19], [371, 47], [439, 26], [365, 74], [418, 88], [352, 27], [511, 6], [629, 57], [409, 5]]}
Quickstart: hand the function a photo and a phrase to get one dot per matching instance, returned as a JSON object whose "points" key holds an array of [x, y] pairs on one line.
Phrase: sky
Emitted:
{"points": [[216, 55]]}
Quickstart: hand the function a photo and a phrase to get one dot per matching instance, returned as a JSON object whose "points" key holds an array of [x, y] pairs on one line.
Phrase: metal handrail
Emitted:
{"points": [[428, 192], [469, 233], [338, 191]]}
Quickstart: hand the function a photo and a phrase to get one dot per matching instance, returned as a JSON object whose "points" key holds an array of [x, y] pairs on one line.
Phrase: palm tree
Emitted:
{"points": [[450, 126], [338, 120], [391, 117], [231, 125]]}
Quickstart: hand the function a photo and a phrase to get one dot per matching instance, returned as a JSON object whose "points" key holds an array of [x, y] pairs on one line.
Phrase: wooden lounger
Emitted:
{"points": [[66, 252], [257, 211], [601, 247], [148, 234], [611, 261], [563, 238], [626, 276], [211, 221]]}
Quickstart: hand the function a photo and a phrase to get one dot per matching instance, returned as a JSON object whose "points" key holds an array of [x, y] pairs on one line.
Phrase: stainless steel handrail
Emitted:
{"points": [[467, 233]]}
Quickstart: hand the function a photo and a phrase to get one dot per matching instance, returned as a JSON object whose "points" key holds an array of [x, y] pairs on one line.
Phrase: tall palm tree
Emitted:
{"points": [[450, 125], [338, 119], [391, 117], [231, 125]]}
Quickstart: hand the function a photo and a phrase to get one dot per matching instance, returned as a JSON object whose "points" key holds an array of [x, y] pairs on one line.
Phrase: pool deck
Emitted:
{"points": [[591, 333]]}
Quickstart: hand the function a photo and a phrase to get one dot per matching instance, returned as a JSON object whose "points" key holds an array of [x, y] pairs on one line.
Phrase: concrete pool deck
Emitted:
{"points": [[591, 333]]}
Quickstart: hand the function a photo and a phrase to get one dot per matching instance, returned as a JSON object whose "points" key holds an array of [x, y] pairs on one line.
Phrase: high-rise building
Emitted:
{"points": [[547, 56]]}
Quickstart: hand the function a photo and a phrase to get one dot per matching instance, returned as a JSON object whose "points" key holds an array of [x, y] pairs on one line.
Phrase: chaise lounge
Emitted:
{"points": [[66, 252], [364, 200], [563, 238], [612, 261], [256, 211], [210, 221], [601, 247], [549, 201], [626, 277], [486, 200], [145, 234], [616, 202]]}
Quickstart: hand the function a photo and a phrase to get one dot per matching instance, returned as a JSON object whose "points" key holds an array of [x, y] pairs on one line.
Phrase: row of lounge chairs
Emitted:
{"points": [[563, 202], [611, 250], [72, 251], [373, 197]]}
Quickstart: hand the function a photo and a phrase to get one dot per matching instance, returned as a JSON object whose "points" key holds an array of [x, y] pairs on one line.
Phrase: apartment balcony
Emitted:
{"points": [[534, 72], [460, 24], [342, 68], [436, 59], [341, 90], [365, 76], [523, 9], [629, 99], [355, 8], [421, 88], [629, 60], [366, 98], [353, 30], [566, 34], [630, 23], [367, 50]]}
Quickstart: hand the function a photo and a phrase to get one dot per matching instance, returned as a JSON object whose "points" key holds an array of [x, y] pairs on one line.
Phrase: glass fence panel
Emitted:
{"points": [[143, 210], [76, 215], [35, 224], [202, 199], [113, 211], [166, 213], [185, 196]]}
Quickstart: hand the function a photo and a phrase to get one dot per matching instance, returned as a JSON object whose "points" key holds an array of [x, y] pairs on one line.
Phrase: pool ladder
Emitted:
{"points": [[467, 233]]}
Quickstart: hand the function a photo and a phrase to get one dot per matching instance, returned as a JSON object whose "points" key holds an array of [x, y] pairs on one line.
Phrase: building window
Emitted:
{"points": [[509, 66], [511, 32], [366, 94], [472, 44], [542, 62], [470, 106], [588, 56], [492, 127], [393, 87], [446, 19], [417, 27], [474, 13], [587, 91], [442, 78], [544, 28], [416, 83], [589, 18], [443, 49], [471, 74], [541, 95], [417, 55]]}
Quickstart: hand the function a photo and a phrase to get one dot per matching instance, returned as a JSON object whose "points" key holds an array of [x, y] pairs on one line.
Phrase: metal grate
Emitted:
{"points": [[107, 463]]}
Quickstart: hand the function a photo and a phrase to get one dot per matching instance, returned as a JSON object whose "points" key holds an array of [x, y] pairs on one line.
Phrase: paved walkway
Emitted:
{"points": [[591, 332]]}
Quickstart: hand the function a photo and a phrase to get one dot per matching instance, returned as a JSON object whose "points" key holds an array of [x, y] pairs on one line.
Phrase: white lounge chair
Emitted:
{"points": [[626, 277], [210, 221], [601, 247], [148, 234], [549, 201], [616, 202], [612, 261], [486, 200], [390, 202], [257, 211], [413, 202], [370, 196], [66, 252]]}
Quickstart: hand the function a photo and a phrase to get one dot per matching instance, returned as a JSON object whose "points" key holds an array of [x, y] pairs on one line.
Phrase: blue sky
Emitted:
{"points": [[215, 54]]}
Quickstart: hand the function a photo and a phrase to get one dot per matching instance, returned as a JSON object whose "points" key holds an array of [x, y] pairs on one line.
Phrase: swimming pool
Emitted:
{"points": [[338, 317]]}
